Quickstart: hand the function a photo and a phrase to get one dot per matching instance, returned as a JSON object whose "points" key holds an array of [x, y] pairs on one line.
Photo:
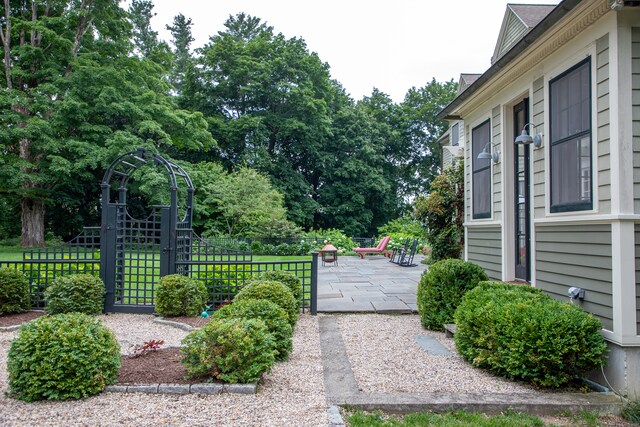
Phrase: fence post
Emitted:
{"points": [[314, 283]]}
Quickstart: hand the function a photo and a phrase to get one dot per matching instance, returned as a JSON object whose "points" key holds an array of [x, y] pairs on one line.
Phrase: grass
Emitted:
{"points": [[451, 419], [470, 419], [10, 253], [14, 253]]}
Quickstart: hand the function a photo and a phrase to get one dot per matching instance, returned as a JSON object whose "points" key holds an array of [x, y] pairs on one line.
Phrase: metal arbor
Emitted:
{"points": [[135, 253]]}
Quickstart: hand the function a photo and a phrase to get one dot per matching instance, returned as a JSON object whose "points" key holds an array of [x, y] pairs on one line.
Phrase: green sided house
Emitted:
{"points": [[552, 163]]}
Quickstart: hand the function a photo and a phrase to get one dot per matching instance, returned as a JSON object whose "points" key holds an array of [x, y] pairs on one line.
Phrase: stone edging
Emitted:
{"points": [[203, 388], [183, 326], [9, 328]]}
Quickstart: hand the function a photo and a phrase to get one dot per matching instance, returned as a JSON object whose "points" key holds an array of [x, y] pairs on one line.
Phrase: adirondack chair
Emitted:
{"points": [[404, 257], [381, 248], [397, 252]]}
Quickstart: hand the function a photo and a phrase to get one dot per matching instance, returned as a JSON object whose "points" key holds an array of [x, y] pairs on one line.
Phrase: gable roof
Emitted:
{"points": [[466, 80], [561, 10], [518, 20]]}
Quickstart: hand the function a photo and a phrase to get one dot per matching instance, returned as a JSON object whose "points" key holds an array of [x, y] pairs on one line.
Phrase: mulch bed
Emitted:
{"points": [[19, 318], [155, 367]]}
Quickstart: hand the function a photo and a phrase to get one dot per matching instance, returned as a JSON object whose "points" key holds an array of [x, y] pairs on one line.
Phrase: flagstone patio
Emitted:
{"points": [[372, 285]]}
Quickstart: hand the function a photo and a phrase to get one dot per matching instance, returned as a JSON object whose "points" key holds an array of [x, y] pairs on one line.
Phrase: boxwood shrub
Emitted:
{"points": [[441, 289], [179, 295], [15, 296], [270, 313], [233, 350], [65, 356], [520, 333], [79, 293], [275, 292], [288, 279]]}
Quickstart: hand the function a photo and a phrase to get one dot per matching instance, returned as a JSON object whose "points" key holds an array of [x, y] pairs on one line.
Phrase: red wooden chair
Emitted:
{"points": [[382, 246]]}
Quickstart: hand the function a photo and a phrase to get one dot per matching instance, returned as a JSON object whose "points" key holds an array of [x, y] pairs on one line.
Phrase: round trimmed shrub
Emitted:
{"points": [[273, 291], [233, 350], [65, 356], [520, 333], [441, 289], [75, 293], [288, 279], [179, 295], [15, 296], [270, 313]]}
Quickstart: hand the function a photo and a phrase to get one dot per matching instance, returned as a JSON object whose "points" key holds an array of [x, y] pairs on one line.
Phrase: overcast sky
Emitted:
{"points": [[392, 45]]}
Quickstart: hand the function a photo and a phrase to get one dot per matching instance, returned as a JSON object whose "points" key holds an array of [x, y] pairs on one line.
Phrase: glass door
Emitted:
{"points": [[521, 196]]}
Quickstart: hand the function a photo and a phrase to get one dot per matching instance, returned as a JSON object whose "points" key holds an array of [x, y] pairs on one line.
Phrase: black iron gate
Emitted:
{"points": [[137, 252]]}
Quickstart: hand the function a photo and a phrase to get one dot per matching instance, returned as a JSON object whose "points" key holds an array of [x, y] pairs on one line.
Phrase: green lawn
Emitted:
{"points": [[10, 253], [14, 253], [466, 419]]}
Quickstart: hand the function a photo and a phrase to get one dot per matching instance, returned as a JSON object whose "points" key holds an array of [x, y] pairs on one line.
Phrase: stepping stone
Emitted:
{"points": [[333, 295], [341, 306], [390, 307], [432, 345]]}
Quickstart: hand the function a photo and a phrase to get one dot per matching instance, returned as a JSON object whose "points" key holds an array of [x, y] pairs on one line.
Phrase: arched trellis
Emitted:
{"points": [[136, 252]]}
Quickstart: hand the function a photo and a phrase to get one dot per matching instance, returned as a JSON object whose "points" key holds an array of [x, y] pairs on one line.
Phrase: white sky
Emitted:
{"points": [[392, 45]]}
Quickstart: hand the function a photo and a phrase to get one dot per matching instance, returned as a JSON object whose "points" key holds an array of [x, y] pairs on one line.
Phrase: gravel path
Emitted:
{"points": [[385, 357], [291, 395]]}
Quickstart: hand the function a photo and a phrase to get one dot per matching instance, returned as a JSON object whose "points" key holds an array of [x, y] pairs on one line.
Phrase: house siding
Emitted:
{"points": [[484, 247], [447, 159], [515, 29], [577, 255], [637, 256], [602, 133], [496, 139], [635, 82], [537, 115]]}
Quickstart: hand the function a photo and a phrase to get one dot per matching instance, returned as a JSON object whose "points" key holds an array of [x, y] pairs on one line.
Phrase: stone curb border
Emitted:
{"points": [[183, 326], [203, 388]]}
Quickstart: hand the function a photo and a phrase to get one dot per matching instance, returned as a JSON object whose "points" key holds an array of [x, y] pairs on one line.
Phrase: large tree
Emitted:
{"points": [[72, 100], [422, 128], [267, 97]]}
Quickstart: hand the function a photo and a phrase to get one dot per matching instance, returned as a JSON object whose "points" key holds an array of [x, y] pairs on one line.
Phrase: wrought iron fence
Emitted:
{"points": [[41, 273], [223, 278]]}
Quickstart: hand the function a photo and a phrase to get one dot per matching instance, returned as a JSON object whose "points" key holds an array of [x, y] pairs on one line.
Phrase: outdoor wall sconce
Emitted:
{"points": [[526, 139], [485, 154]]}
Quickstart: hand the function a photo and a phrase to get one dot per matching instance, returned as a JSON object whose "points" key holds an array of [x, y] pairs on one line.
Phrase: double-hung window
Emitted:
{"points": [[481, 170], [570, 125], [455, 135]]}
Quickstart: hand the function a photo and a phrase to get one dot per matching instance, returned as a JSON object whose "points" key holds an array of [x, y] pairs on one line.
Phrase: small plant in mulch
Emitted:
{"points": [[146, 348]]}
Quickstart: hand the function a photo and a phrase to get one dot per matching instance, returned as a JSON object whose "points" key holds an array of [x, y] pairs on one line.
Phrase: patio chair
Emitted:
{"points": [[405, 257], [398, 251], [381, 248]]}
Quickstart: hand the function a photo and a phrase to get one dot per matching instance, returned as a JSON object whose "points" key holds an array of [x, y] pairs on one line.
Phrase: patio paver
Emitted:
{"points": [[368, 285]]}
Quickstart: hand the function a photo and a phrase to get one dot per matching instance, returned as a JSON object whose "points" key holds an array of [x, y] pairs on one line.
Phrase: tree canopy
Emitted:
{"points": [[252, 109]]}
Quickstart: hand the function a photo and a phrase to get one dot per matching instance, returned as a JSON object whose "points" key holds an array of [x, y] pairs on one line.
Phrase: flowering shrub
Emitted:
{"points": [[341, 241]]}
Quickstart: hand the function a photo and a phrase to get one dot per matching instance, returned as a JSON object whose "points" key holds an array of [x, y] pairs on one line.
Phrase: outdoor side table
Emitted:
{"points": [[329, 254]]}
